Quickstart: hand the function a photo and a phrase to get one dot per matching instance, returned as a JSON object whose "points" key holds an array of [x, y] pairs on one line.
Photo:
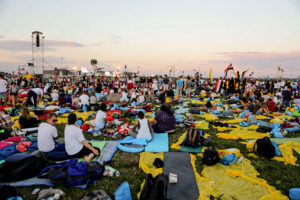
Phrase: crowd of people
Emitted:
{"points": [[89, 93]]}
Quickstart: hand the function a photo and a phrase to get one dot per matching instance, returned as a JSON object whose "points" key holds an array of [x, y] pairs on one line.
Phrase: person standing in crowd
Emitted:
{"points": [[287, 96], [3, 89], [179, 84], [166, 83], [13, 92], [188, 87]]}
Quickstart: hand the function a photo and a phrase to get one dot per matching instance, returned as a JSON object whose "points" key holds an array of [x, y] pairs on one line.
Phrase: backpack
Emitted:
{"points": [[193, 138], [252, 119], [264, 147], [14, 112], [264, 129], [227, 113], [38, 112], [208, 104], [210, 156], [94, 170], [195, 111], [155, 188]]}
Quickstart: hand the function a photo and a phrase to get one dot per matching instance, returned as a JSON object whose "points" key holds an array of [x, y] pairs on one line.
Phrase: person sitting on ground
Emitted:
{"points": [[62, 100], [124, 96], [141, 98], [68, 100], [101, 117], [84, 99], [28, 121], [5, 123], [165, 121], [271, 105], [249, 105], [261, 107], [93, 99], [54, 95], [76, 146], [170, 92], [144, 128], [47, 133]]}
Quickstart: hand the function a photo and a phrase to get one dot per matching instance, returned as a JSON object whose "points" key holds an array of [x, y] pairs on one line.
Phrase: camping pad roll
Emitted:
{"points": [[108, 151], [180, 163]]}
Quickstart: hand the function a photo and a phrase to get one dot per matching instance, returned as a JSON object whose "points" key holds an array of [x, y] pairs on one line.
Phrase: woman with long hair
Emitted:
{"points": [[165, 120]]}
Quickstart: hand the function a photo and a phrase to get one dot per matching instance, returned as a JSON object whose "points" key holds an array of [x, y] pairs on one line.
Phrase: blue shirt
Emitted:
{"points": [[179, 83]]}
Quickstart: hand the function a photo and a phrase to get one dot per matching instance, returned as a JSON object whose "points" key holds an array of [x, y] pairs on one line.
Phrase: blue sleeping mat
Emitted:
{"points": [[159, 143], [132, 145]]}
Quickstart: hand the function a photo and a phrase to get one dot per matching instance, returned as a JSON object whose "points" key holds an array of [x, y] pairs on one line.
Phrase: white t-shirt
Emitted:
{"points": [[54, 96], [3, 85], [141, 99], [38, 91], [84, 99], [144, 130], [73, 139], [46, 135], [154, 86], [99, 121]]}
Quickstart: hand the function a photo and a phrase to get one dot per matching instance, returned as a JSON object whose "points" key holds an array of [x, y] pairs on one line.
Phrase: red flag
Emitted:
{"points": [[230, 67]]}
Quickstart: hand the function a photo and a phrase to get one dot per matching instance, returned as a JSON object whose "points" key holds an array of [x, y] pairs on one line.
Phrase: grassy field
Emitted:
{"points": [[276, 173]]}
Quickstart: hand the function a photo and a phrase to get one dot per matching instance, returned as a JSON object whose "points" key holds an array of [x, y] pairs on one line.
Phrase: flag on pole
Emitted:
{"points": [[210, 76], [244, 72], [230, 67], [251, 74], [218, 85], [19, 69]]}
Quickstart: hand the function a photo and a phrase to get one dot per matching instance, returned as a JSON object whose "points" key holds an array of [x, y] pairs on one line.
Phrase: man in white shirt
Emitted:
{"points": [[47, 133], [3, 85], [84, 99], [101, 117]]}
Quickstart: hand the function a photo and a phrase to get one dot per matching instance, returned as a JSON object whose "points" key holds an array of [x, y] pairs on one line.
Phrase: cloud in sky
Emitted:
{"points": [[23, 45], [265, 61], [96, 44], [116, 39]]}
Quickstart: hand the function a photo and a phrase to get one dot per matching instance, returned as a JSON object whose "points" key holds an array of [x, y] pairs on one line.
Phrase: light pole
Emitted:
{"points": [[170, 71]]}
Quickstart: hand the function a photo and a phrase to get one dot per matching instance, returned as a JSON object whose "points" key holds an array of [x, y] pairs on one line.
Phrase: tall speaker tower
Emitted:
{"points": [[37, 51]]}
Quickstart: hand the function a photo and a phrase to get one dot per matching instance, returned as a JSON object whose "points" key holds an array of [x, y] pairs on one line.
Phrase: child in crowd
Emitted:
{"points": [[144, 128]]}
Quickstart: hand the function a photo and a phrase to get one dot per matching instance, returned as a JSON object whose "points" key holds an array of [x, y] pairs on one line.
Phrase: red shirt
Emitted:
{"points": [[271, 106]]}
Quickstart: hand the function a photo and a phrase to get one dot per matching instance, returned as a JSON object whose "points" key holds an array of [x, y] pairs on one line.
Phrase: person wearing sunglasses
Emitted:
{"points": [[47, 133]]}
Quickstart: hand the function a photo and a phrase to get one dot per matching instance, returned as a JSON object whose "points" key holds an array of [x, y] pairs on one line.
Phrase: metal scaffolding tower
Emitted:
{"points": [[38, 61]]}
